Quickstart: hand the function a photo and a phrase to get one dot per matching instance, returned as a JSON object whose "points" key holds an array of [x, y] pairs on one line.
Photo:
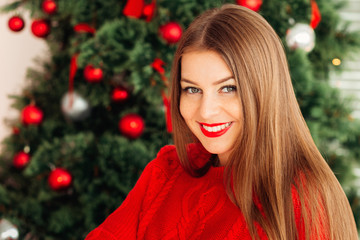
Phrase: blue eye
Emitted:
{"points": [[228, 89], [191, 90]]}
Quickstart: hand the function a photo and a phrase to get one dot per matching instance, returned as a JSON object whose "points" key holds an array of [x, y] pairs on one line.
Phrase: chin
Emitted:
{"points": [[214, 148]]}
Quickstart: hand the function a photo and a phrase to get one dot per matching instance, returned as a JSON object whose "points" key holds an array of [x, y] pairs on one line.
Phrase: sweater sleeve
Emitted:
{"points": [[123, 222]]}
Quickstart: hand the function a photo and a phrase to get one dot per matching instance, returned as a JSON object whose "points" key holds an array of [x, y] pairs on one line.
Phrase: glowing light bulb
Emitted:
{"points": [[336, 61]]}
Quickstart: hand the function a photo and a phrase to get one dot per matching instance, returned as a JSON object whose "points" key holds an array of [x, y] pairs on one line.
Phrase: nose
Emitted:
{"points": [[209, 107]]}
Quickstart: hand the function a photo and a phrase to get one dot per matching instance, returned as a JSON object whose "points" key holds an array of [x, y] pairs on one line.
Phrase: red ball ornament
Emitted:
{"points": [[40, 28], [251, 4], [131, 125], [59, 179], [31, 115], [49, 6], [92, 74], [120, 94], [171, 32], [16, 23], [20, 160]]}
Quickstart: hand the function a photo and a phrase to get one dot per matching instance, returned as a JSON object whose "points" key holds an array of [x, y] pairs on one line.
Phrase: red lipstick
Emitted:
{"points": [[215, 133]]}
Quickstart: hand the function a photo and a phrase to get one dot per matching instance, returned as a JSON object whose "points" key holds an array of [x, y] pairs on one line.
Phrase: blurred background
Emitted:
{"points": [[84, 104]]}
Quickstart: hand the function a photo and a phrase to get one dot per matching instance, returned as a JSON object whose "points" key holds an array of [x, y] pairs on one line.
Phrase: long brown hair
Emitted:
{"points": [[275, 157]]}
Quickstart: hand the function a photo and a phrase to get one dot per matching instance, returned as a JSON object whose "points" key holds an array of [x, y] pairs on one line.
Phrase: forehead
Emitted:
{"points": [[204, 65]]}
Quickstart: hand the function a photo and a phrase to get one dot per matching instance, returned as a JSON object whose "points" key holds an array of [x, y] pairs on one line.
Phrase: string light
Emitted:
{"points": [[336, 61]]}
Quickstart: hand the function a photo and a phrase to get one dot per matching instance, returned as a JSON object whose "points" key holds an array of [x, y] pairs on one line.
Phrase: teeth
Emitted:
{"points": [[217, 128]]}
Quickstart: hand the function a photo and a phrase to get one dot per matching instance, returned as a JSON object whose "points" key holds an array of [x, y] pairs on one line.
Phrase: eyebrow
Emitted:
{"points": [[215, 83]]}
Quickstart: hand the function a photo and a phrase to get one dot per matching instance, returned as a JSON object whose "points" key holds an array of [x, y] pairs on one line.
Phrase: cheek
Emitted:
{"points": [[187, 113], [185, 109], [237, 111], [236, 108]]}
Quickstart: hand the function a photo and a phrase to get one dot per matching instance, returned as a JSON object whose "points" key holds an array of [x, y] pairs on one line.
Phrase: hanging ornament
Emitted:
{"points": [[134, 8], [84, 28], [171, 32], [49, 6], [119, 94], [21, 159], [8, 231], [251, 4], [92, 74], [40, 28], [315, 15], [16, 23], [131, 125], [31, 115], [74, 106], [72, 72], [59, 179], [149, 11], [301, 36], [158, 65]]}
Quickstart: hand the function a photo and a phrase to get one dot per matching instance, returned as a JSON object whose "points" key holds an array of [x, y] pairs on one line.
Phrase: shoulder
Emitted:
{"points": [[167, 160], [167, 151]]}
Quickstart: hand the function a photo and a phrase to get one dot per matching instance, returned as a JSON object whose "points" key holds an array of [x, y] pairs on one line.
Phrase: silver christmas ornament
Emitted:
{"points": [[8, 231], [301, 36], [75, 107]]}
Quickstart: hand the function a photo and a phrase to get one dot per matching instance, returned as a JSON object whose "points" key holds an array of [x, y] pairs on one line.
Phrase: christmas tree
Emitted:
{"points": [[97, 112]]}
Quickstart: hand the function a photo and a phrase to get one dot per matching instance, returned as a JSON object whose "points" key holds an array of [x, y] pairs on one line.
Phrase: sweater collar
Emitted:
{"points": [[199, 156]]}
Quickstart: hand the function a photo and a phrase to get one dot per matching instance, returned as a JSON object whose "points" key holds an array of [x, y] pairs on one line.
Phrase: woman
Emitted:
{"points": [[245, 165]]}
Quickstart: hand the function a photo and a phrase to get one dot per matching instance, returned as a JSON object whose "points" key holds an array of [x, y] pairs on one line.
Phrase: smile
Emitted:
{"points": [[215, 130]]}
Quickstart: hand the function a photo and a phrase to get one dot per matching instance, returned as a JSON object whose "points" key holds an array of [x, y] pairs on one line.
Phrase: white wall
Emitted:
{"points": [[348, 81], [17, 50]]}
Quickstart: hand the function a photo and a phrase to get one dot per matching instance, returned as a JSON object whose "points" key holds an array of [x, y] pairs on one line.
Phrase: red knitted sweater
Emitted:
{"points": [[168, 203]]}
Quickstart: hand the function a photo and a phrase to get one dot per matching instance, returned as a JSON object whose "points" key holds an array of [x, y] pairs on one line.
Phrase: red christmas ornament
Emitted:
{"points": [[49, 6], [157, 64], [59, 179], [131, 125], [20, 160], [16, 23], [92, 74], [119, 94], [40, 28], [171, 32], [251, 4], [134, 8], [149, 11], [31, 115], [84, 28], [315, 15]]}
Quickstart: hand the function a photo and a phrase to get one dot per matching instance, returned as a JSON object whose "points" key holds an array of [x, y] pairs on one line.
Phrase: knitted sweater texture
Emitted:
{"points": [[168, 203]]}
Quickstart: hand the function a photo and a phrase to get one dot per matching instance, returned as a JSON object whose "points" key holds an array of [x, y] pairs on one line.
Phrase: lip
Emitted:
{"points": [[214, 134]]}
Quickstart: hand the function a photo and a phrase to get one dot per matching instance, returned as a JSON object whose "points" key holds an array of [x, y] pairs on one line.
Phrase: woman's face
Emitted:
{"points": [[209, 103]]}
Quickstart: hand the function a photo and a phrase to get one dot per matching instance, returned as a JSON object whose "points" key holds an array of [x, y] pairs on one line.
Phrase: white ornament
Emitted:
{"points": [[74, 106], [301, 36], [8, 230]]}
